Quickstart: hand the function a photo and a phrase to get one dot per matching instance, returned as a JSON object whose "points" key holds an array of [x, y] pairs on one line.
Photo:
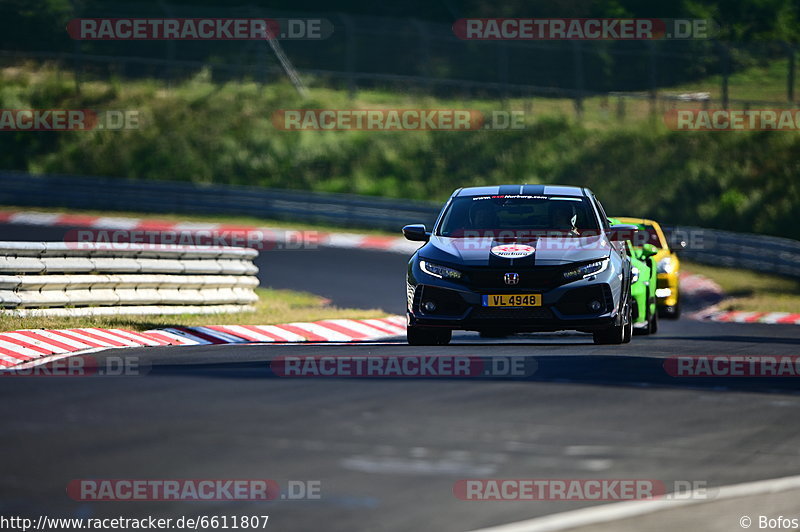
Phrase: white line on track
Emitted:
{"points": [[622, 510]]}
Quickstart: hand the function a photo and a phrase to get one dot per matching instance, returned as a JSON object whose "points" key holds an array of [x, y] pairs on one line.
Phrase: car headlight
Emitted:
{"points": [[437, 270], [666, 265], [635, 273], [586, 270]]}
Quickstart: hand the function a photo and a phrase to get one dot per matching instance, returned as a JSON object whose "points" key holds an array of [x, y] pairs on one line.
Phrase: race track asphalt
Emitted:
{"points": [[388, 451]]}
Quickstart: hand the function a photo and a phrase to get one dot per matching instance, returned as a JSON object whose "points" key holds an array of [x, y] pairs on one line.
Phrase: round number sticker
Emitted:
{"points": [[513, 251]]}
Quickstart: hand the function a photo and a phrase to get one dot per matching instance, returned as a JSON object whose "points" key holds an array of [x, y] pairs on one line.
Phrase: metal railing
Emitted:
{"points": [[761, 253], [114, 194], [76, 278]]}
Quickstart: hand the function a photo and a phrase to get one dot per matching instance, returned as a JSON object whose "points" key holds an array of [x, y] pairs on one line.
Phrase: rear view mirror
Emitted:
{"points": [[648, 250], [621, 233], [416, 233]]}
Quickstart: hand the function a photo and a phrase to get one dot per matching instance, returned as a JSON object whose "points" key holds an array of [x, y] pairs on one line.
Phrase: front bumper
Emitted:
{"points": [[563, 308], [668, 291]]}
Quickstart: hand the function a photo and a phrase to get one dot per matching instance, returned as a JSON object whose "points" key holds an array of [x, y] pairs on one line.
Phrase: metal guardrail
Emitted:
{"points": [[71, 278], [761, 253], [710, 246], [112, 194]]}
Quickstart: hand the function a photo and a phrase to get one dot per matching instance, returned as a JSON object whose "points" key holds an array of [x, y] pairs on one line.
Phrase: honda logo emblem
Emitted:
{"points": [[512, 279]]}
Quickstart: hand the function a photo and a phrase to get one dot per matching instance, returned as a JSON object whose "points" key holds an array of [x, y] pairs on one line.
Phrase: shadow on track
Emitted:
{"points": [[731, 338], [602, 370]]}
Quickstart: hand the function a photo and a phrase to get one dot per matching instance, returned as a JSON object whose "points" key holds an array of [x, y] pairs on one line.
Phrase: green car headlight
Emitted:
{"points": [[437, 270], [635, 272], [581, 272]]}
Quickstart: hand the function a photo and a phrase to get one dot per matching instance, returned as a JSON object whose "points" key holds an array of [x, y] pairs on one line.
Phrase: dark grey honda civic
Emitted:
{"points": [[520, 258]]}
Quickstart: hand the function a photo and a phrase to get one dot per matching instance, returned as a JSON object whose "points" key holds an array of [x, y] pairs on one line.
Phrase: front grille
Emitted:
{"points": [[499, 313], [538, 278]]}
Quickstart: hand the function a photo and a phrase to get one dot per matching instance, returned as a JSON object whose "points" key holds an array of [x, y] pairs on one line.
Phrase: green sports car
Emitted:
{"points": [[643, 287]]}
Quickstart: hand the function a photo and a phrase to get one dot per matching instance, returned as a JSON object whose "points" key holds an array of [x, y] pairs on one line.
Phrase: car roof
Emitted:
{"points": [[643, 221], [530, 190], [652, 223]]}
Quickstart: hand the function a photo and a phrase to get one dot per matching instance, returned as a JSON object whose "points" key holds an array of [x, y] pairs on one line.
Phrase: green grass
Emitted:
{"points": [[751, 291], [274, 307], [204, 132], [762, 82]]}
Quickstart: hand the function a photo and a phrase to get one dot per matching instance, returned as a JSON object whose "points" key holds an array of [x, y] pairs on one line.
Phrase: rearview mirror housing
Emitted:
{"points": [[621, 233], [648, 250], [416, 233]]}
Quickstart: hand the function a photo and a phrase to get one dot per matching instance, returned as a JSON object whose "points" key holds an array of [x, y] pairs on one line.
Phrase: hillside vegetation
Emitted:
{"points": [[205, 132]]}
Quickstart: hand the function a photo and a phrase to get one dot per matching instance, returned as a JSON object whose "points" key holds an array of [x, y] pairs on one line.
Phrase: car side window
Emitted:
{"points": [[603, 216]]}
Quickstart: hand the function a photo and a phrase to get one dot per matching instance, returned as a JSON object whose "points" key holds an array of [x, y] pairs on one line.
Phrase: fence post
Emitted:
{"points": [[424, 51], [78, 66], [502, 68], [528, 105], [169, 68], [349, 54], [78, 59], [577, 54], [262, 58], [791, 74], [653, 77], [726, 72]]}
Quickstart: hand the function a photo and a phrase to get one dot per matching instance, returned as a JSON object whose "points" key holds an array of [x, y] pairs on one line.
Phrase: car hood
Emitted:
{"points": [[546, 251]]}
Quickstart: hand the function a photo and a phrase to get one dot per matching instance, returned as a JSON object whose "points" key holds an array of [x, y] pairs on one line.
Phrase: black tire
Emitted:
{"points": [[653, 325], [428, 335], [676, 314], [628, 329], [616, 334], [671, 313]]}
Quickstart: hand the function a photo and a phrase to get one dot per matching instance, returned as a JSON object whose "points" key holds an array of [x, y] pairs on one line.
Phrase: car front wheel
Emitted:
{"points": [[653, 325], [617, 334], [672, 313]]}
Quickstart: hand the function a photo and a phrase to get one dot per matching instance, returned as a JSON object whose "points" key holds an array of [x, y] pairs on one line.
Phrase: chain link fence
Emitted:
{"points": [[618, 77]]}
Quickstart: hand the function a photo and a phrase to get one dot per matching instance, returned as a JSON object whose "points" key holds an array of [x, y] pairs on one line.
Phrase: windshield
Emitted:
{"points": [[515, 216], [653, 238]]}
